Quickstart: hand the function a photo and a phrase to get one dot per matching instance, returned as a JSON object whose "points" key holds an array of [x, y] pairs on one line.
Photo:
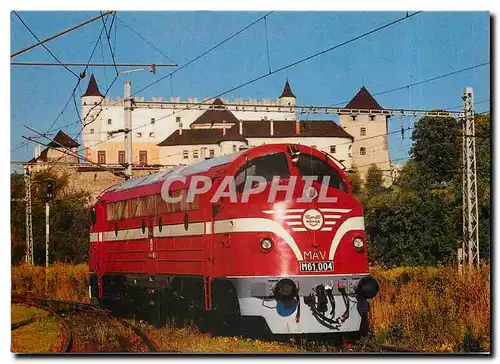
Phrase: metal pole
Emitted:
{"points": [[47, 211], [29, 223], [128, 128], [61, 33], [471, 218], [460, 260]]}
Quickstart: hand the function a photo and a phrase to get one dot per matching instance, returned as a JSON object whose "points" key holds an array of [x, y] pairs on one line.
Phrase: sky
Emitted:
{"points": [[424, 46]]}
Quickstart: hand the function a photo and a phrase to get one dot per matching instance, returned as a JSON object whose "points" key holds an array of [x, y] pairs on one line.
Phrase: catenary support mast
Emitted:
{"points": [[470, 244], [128, 128], [29, 222]]}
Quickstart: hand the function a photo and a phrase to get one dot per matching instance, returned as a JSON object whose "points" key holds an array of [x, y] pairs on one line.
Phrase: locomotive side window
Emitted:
{"points": [[149, 205], [266, 166], [163, 206], [110, 211], [309, 165], [135, 207], [121, 211]]}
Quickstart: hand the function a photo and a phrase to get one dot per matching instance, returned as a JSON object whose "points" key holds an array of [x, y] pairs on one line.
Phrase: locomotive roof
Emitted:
{"points": [[181, 170]]}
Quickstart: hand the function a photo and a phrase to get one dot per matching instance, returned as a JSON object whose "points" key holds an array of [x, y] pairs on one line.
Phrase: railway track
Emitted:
{"points": [[62, 309]]}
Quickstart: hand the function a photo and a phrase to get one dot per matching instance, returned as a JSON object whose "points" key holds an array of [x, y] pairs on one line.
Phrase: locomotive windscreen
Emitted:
{"points": [[266, 166], [309, 165]]}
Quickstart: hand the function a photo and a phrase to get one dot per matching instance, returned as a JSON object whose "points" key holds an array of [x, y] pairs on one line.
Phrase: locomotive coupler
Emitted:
{"points": [[322, 299]]}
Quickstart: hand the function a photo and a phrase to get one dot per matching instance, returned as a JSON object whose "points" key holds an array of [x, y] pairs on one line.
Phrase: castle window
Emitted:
{"points": [[152, 135], [143, 157], [195, 154], [362, 151], [212, 153], [332, 149], [91, 131], [362, 131], [234, 148], [153, 120], [177, 119], [109, 121], [101, 157], [139, 134], [185, 154], [121, 157]]}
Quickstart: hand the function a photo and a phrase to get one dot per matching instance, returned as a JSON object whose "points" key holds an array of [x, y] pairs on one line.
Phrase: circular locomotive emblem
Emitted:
{"points": [[312, 219]]}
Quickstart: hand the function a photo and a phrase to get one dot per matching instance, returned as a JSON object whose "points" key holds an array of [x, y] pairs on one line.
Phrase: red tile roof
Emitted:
{"points": [[215, 116], [363, 100], [63, 140], [257, 129], [92, 88], [42, 157], [202, 136], [286, 128]]}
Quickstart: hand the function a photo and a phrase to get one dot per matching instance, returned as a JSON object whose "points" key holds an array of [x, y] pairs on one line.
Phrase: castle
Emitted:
{"points": [[161, 137], [167, 133]]}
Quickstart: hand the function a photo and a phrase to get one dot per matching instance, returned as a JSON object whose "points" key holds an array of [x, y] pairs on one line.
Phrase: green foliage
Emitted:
{"points": [[355, 180], [373, 181], [437, 147], [418, 220], [69, 225]]}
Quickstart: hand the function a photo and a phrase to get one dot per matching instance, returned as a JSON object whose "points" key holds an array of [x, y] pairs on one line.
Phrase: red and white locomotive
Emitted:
{"points": [[291, 256]]}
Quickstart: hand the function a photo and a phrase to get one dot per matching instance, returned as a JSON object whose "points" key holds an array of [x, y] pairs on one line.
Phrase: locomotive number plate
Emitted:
{"points": [[316, 266]]}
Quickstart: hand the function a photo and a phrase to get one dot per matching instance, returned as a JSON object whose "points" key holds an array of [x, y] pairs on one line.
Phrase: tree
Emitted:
{"points": [[418, 220], [355, 180], [69, 225], [405, 229], [437, 148], [373, 181]]}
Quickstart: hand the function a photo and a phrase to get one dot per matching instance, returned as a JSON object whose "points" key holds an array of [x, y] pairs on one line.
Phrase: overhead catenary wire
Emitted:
{"points": [[188, 63], [62, 33], [66, 151], [202, 54], [109, 43], [103, 64], [405, 87], [267, 45], [43, 45], [145, 40], [74, 89], [275, 71]]}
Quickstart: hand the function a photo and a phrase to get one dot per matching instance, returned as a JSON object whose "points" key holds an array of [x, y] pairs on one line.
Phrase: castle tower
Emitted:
{"points": [[91, 108], [287, 97], [370, 135]]}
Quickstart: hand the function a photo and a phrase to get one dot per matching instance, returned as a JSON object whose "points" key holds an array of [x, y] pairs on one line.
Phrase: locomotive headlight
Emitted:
{"points": [[266, 244], [358, 243]]}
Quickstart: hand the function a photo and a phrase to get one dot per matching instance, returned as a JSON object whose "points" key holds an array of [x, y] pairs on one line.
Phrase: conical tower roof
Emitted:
{"points": [[92, 88], [287, 91], [363, 100]]}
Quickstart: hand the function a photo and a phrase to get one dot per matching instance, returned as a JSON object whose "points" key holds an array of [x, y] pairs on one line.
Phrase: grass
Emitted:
{"points": [[190, 340], [433, 309], [430, 309], [64, 281], [41, 336], [20, 313]]}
